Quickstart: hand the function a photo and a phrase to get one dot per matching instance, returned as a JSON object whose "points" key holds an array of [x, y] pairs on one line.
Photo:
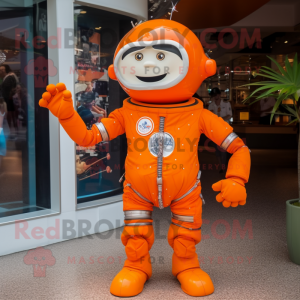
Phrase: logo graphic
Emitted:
{"points": [[39, 258], [144, 126], [169, 144], [41, 68]]}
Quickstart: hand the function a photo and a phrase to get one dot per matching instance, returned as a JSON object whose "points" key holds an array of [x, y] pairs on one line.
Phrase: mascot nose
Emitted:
{"points": [[149, 64]]}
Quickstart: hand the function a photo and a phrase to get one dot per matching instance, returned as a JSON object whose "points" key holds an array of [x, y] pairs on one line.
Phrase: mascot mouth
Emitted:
{"points": [[152, 79]]}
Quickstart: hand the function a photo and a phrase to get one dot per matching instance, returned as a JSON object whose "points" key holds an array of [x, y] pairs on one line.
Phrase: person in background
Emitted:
{"points": [[223, 110], [20, 104], [3, 112], [89, 87], [9, 83], [266, 106]]}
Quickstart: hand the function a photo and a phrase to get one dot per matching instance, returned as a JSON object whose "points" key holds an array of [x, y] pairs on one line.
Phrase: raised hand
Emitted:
{"points": [[232, 192], [58, 100]]}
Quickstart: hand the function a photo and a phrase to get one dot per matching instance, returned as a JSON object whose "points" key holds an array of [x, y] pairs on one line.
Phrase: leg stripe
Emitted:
{"points": [[138, 224], [186, 227], [189, 219], [137, 214]]}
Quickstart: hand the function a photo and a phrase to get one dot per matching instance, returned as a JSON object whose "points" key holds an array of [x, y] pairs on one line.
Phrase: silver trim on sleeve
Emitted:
{"points": [[103, 132], [246, 147], [189, 219], [137, 214], [230, 138], [201, 196]]}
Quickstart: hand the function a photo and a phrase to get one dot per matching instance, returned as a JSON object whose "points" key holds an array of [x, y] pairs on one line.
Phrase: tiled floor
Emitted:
{"points": [[253, 267]]}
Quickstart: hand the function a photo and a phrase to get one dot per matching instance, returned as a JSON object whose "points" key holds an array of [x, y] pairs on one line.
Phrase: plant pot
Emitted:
{"points": [[293, 230]]}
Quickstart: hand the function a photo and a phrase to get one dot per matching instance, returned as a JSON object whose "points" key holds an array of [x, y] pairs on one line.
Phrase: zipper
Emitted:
{"points": [[160, 161]]}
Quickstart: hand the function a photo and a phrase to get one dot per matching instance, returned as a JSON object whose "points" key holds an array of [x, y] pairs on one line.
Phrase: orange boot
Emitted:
{"points": [[185, 264], [137, 269]]}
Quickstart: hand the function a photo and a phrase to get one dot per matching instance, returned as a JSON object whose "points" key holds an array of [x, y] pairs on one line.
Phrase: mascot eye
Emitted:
{"points": [[139, 56], [160, 56]]}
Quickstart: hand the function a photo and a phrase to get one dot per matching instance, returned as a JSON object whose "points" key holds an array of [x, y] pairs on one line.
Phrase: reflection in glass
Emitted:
{"points": [[97, 34], [24, 130]]}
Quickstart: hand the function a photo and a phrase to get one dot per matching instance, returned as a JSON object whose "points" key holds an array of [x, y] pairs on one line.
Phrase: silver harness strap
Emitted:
{"points": [[191, 189], [129, 185], [188, 192]]}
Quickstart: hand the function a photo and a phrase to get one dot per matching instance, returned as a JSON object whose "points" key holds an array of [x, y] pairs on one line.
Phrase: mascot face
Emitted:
{"points": [[156, 65], [161, 61]]}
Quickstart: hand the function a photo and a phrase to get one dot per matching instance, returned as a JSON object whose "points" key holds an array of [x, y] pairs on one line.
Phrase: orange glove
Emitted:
{"points": [[232, 192], [58, 100]]}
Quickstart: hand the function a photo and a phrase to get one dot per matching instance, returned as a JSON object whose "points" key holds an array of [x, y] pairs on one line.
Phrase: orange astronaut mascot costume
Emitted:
{"points": [[161, 64]]}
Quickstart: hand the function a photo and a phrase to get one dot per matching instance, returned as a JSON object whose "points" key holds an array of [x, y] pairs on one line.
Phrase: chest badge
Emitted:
{"points": [[144, 126], [169, 144]]}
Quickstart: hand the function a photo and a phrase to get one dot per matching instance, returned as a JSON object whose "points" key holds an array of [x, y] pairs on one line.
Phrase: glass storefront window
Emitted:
{"points": [[24, 130], [97, 34], [242, 67]]}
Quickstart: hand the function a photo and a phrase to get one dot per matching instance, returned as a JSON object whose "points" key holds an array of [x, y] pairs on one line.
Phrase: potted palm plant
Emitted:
{"points": [[287, 82]]}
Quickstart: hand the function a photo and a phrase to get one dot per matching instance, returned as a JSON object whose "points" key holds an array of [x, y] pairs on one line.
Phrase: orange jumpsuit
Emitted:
{"points": [[184, 122], [162, 164], [160, 178]]}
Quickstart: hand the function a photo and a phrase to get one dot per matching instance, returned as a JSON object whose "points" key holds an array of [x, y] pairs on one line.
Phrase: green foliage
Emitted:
{"points": [[288, 83]]}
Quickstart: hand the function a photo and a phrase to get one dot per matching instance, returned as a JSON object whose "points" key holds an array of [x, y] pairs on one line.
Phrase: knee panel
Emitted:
{"points": [[183, 240], [138, 234], [136, 248], [184, 247]]}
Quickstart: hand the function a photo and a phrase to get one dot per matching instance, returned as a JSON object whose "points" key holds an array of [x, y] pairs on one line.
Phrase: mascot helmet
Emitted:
{"points": [[161, 61]]}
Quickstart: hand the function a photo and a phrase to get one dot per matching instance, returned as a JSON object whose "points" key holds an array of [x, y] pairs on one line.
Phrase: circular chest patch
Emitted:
{"points": [[169, 144], [144, 126]]}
